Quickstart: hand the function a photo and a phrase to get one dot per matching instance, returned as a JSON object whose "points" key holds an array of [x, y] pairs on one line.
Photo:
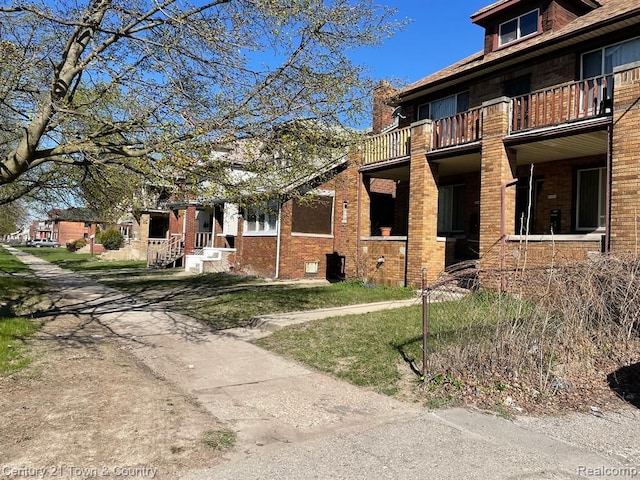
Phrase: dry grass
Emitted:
{"points": [[553, 341]]}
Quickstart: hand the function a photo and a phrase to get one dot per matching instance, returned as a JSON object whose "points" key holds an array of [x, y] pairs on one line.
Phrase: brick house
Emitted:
{"points": [[532, 141], [72, 224], [526, 151]]}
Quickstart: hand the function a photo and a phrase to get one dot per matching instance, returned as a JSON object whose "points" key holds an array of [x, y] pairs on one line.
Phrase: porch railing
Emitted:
{"points": [[164, 252], [562, 103], [203, 239], [458, 129], [387, 146]]}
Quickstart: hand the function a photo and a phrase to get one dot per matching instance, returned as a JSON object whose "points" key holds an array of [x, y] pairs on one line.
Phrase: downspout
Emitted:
{"points": [[607, 219], [503, 234], [279, 228]]}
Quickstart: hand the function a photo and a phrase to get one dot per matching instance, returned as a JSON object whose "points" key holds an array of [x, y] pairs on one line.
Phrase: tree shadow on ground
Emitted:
{"points": [[625, 382]]}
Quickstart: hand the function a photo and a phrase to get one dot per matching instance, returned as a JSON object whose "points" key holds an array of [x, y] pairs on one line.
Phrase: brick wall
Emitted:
{"points": [[65, 232], [190, 228], [391, 272], [496, 171], [423, 249], [558, 191], [625, 207]]}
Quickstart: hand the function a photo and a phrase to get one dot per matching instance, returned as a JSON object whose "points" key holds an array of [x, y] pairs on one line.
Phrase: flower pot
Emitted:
{"points": [[385, 231]]}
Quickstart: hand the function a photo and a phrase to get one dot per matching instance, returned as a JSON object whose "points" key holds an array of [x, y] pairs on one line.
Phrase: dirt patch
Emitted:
{"points": [[87, 408]]}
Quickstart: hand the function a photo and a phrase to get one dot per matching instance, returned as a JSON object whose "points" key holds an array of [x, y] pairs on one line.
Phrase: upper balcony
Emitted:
{"points": [[387, 146], [562, 104]]}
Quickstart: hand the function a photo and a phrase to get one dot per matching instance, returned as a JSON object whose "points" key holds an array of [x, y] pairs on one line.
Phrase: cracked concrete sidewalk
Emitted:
{"points": [[293, 422]]}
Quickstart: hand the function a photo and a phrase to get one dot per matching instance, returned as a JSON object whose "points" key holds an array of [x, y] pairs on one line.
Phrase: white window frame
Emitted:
{"points": [[266, 222], [519, 35], [602, 200], [445, 225], [428, 105]]}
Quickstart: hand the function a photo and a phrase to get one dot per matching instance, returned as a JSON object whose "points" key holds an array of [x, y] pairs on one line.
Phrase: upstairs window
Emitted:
{"points": [[604, 60], [444, 107], [519, 27]]}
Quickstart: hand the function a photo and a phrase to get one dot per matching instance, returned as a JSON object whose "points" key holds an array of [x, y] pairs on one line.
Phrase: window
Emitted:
{"points": [[261, 221], [312, 216], [451, 209], [591, 198], [604, 60], [519, 27], [444, 107]]}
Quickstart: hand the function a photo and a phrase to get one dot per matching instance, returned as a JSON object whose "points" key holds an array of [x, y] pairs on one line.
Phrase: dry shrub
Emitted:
{"points": [[551, 339]]}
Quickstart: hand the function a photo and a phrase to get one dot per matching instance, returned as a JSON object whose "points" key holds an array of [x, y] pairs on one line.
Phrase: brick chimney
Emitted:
{"points": [[382, 94]]}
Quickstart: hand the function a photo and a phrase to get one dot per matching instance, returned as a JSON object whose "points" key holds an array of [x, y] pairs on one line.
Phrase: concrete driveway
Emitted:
{"points": [[292, 422]]}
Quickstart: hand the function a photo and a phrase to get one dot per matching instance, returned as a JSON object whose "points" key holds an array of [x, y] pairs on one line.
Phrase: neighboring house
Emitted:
{"points": [[71, 224], [40, 229], [527, 151], [534, 139]]}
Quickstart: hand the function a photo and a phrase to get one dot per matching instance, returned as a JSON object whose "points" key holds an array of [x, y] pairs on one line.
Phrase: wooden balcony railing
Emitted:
{"points": [[387, 146], [458, 129], [562, 103]]}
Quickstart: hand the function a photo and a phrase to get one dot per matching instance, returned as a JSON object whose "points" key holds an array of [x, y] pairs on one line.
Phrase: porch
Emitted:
{"points": [[547, 157]]}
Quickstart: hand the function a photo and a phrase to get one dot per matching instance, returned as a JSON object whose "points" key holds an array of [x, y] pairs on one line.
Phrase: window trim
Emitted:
{"points": [[271, 232], [603, 208], [519, 35]]}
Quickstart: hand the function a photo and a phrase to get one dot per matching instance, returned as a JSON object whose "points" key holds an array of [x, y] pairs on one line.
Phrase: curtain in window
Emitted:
{"points": [[621, 54], [443, 108]]}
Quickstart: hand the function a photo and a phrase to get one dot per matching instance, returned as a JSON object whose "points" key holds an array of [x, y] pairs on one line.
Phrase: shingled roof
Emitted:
{"points": [[611, 15]]}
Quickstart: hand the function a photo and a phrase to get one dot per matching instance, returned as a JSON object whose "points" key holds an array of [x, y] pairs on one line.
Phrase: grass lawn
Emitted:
{"points": [[15, 289], [82, 262], [220, 300], [226, 301], [368, 349]]}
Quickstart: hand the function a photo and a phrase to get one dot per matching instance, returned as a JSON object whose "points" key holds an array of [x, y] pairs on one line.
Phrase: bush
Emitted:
{"points": [[74, 245], [110, 239]]}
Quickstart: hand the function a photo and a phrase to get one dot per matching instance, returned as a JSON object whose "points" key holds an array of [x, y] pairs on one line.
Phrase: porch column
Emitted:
{"points": [[497, 192], [625, 161], [190, 229], [423, 248]]}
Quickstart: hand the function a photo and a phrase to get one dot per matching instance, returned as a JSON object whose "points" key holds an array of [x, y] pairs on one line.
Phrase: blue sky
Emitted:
{"points": [[441, 33]]}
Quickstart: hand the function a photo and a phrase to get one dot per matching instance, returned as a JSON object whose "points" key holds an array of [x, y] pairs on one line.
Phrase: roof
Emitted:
{"points": [[74, 214], [610, 13], [498, 6]]}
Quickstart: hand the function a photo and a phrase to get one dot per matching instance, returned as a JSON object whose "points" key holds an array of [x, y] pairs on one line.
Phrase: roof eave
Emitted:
{"points": [[552, 44]]}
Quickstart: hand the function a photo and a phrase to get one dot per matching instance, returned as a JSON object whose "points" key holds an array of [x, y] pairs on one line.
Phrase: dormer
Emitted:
{"points": [[510, 21]]}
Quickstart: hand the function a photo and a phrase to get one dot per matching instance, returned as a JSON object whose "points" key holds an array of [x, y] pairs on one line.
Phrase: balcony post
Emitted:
{"points": [[625, 168], [423, 249], [497, 203]]}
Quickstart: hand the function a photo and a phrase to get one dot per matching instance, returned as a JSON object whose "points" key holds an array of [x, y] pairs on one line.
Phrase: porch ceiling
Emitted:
{"points": [[396, 172], [561, 148], [459, 164]]}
